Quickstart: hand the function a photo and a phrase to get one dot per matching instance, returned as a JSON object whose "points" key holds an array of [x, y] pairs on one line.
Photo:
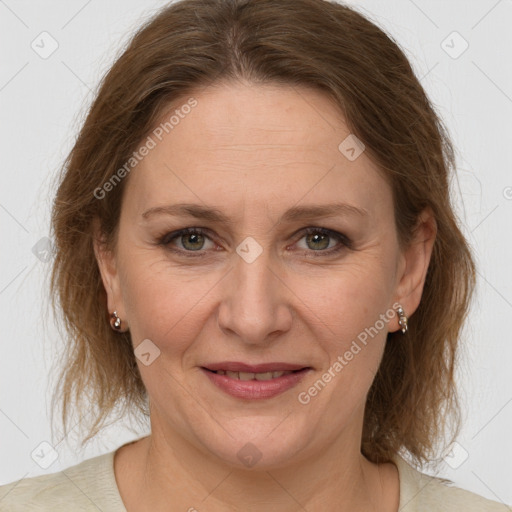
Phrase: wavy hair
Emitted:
{"points": [[299, 43]]}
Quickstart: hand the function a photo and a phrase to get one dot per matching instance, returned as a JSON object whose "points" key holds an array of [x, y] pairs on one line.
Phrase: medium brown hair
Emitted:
{"points": [[298, 43]]}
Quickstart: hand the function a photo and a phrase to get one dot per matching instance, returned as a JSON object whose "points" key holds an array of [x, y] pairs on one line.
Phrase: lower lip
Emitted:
{"points": [[256, 389]]}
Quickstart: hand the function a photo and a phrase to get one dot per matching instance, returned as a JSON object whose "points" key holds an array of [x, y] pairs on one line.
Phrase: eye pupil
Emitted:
{"points": [[321, 238], [193, 238]]}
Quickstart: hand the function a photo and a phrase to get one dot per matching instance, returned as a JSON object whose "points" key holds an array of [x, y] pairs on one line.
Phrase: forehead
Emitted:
{"points": [[254, 146]]}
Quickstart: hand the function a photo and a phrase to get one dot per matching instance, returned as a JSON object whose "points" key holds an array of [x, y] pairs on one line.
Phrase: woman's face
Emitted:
{"points": [[294, 266]]}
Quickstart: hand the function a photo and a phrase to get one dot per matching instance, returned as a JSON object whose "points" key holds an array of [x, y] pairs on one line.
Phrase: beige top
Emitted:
{"points": [[91, 486]]}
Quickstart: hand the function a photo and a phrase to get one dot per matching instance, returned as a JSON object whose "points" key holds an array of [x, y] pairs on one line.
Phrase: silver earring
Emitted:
{"points": [[402, 319], [115, 321]]}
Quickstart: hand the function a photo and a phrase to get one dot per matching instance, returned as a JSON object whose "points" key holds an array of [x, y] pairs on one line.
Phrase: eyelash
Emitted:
{"points": [[344, 241]]}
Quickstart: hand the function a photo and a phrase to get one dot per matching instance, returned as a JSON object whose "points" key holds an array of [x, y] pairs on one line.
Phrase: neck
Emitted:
{"points": [[168, 469]]}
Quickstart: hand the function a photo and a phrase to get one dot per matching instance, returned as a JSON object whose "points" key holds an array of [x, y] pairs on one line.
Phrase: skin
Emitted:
{"points": [[253, 152]]}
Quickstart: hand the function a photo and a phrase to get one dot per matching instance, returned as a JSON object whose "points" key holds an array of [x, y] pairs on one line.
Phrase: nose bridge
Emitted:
{"points": [[254, 306]]}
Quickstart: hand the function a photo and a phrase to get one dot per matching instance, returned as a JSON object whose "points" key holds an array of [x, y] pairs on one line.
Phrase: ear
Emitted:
{"points": [[108, 267], [414, 264]]}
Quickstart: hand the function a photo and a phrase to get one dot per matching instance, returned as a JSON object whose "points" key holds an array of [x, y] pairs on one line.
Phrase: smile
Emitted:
{"points": [[255, 385], [253, 376]]}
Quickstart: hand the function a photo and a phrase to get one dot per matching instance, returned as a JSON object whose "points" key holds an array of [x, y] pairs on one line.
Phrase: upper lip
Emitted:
{"points": [[234, 366]]}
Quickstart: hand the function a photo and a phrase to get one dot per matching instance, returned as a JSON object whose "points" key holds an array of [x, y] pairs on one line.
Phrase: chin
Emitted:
{"points": [[258, 443]]}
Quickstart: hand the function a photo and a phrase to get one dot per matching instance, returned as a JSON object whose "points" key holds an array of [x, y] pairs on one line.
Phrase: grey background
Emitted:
{"points": [[42, 102]]}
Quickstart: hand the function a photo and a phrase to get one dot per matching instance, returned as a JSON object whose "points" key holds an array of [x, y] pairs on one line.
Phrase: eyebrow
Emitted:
{"points": [[295, 213]]}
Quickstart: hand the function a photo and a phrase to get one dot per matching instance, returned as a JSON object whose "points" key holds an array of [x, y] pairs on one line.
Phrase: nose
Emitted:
{"points": [[255, 303]]}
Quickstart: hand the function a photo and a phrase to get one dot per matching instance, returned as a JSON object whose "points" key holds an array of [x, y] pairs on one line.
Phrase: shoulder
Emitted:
{"points": [[420, 492], [89, 486]]}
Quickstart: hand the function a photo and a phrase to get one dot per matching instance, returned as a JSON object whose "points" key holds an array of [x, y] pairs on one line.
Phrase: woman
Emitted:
{"points": [[255, 246]]}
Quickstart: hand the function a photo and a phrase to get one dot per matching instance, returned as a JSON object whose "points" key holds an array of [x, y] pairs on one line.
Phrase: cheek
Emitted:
{"points": [[349, 311], [343, 316], [164, 304], [345, 302]]}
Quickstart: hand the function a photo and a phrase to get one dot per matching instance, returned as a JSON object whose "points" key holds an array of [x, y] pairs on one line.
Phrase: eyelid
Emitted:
{"points": [[343, 240], [331, 232], [167, 238]]}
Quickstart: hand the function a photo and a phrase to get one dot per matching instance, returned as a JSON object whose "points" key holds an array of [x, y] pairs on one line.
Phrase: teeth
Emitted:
{"points": [[253, 376], [264, 376]]}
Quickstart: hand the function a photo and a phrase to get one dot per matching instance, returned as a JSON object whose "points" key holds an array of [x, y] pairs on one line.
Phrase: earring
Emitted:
{"points": [[115, 321], [402, 319]]}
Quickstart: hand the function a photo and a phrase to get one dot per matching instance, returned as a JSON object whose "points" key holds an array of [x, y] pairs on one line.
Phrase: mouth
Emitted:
{"points": [[255, 381], [253, 376]]}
